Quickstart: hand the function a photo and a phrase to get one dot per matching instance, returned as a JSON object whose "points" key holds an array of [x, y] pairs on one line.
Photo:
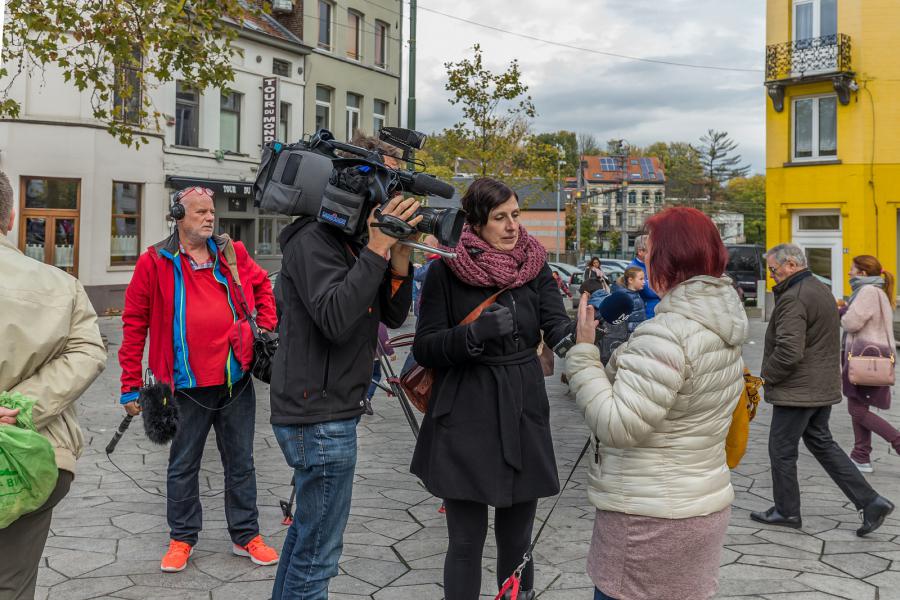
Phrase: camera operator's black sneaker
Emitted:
{"points": [[874, 514]]}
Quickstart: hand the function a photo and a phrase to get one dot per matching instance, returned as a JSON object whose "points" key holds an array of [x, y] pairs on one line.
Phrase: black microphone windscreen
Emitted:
{"points": [[616, 307], [428, 185]]}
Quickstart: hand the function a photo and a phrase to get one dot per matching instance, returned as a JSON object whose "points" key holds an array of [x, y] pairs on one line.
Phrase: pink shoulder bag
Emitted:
{"points": [[870, 367]]}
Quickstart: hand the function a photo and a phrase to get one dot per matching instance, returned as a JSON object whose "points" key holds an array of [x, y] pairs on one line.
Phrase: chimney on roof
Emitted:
{"points": [[290, 14]]}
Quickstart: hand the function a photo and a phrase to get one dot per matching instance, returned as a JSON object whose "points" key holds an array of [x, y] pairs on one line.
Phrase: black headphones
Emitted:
{"points": [[176, 209]]}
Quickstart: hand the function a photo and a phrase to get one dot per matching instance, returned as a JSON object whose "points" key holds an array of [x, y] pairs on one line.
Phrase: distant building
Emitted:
{"points": [[623, 196], [730, 225]]}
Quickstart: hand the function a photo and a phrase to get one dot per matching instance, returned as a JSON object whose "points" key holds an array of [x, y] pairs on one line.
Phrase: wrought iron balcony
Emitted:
{"points": [[813, 59]]}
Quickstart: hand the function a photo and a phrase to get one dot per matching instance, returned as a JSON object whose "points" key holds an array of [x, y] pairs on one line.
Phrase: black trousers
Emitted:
{"points": [[467, 524], [789, 425], [22, 544]]}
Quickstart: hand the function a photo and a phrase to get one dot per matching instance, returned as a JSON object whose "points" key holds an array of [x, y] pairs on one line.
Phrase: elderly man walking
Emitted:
{"points": [[52, 351], [802, 373], [184, 295]]}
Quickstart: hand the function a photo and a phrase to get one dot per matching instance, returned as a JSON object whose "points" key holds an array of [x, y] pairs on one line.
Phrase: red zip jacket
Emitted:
{"points": [[150, 305]]}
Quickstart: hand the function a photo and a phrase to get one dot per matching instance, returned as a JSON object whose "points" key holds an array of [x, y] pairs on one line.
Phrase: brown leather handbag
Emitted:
{"points": [[417, 380]]}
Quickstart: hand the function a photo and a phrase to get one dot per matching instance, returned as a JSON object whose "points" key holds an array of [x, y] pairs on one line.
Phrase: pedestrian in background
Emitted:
{"points": [[802, 373], [868, 322], [651, 298], [659, 414], [184, 298], [594, 270], [52, 351], [486, 436]]}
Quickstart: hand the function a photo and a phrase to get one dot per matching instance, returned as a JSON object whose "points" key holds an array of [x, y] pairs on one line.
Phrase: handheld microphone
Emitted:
{"points": [[614, 310], [123, 426]]}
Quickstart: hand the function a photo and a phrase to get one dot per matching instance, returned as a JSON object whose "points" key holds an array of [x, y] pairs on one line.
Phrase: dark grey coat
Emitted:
{"points": [[802, 359], [486, 434]]}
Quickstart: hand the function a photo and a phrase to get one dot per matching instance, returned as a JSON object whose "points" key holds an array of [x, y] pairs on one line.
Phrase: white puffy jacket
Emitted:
{"points": [[661, 410]]}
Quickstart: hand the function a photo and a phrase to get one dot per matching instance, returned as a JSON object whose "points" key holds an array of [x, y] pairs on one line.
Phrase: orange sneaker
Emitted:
{"points": [[176, 558], [258, 552]]}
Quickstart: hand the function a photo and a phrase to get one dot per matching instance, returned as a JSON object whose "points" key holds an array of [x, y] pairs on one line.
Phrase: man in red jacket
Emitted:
{"points": [[183, 294]]}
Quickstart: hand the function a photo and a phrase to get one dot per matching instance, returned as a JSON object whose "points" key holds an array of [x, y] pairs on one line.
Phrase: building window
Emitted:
{"points": [[284, 121], [382, 31], [230, 123], [645, 198], [354, 101], [379, 114], [632, 220], [632, 197], [815, 127], [125, 233], [657, 197], [326, 9], [323, 108], [268, 230], [187, 115], [128, 83], [817, 222], [48, 229], [282, 68], [814, 18], [354, 35]]}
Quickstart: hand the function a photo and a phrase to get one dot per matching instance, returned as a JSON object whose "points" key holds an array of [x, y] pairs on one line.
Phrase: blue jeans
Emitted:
{"points": [[376, 376], [233, 418], [324, 459], [598, 595]]}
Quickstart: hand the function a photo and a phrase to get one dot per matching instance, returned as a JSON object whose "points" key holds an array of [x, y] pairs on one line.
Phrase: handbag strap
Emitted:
{"points": [[476, 312], [231, 262]]}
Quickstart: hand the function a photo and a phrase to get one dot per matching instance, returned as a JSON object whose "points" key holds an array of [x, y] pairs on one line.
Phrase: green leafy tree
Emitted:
{"points": [[590, 234], [747, 195], [495, 129], [719, 162], [684, 171], [114, 50], [568, 140]]}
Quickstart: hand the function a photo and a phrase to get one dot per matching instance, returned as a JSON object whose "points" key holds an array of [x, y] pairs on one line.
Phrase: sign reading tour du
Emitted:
{"points": [[269, 109]]}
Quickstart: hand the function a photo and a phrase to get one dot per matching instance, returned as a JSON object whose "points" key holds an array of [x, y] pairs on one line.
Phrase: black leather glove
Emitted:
{"points": [[495, 321]]}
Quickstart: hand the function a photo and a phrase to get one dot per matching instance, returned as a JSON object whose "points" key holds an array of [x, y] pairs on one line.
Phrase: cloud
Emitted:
{"points": [[610, 97]]}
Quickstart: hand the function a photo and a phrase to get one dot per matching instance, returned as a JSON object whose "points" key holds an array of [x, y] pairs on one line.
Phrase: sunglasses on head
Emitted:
{"points": [[197, 189]]}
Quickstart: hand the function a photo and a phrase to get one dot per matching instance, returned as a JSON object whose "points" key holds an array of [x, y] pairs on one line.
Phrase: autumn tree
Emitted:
{"points": [[117, 51], [681, 162], [495, 129], [747, 195]]}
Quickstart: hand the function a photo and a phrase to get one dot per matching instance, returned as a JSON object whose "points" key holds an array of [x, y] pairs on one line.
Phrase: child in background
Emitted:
{"points": [[632, 282]]}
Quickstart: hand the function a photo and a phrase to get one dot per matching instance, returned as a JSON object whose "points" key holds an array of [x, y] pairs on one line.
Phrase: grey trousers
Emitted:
{"points": [[23, 543]]}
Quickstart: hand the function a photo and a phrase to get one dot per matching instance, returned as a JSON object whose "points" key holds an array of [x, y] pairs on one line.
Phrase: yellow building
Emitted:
{"points": [[833, 131]]}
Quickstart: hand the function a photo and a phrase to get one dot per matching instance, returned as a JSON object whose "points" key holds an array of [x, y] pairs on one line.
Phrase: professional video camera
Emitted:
{"points": [[309, 178]]}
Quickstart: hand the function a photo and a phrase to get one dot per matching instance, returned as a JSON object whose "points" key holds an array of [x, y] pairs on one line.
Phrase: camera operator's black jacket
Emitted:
{"points": [[331, 296]]}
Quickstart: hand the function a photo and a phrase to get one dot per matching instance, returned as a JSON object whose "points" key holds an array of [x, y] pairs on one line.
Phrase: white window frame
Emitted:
{"points": [[353, 111], [829, 239], [816, 17], [376, 116], [324, 104], [816, 157], [329, 47], [285, 118]]}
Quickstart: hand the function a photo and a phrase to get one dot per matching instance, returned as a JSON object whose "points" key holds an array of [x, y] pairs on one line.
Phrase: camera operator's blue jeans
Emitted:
{"points": [[234, 418], [324, 459]]}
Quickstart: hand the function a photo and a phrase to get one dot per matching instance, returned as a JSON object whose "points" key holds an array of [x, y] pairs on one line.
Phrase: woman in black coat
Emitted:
{"points": [[485, 439]]}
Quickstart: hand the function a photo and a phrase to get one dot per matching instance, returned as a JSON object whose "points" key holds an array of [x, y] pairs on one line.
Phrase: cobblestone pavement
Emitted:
{"points": [[108, 536]]}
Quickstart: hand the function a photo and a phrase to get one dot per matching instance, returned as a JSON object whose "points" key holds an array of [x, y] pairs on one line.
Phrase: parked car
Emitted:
{"points": [[565, 270], [746, 266]]}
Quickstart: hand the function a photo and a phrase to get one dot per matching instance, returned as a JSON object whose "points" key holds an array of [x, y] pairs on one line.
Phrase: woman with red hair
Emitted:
{"points": [[659, 414]]}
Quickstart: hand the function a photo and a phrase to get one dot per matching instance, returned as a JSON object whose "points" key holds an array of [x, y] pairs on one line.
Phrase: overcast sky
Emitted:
{"points": [[610, 97]]}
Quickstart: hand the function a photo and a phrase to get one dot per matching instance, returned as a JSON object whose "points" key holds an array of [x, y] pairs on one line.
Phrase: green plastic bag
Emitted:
{"points": [[27, 463]]}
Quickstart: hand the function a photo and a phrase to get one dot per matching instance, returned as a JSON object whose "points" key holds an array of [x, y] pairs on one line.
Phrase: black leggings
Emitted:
{"points": [[467, 524]]}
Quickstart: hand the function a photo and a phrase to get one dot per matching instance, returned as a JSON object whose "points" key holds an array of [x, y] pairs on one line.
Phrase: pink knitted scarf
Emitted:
{"points": [[480, 264]]}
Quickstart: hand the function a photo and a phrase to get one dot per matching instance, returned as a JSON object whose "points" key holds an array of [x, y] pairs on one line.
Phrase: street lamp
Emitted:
{"points": [[559, 163]]}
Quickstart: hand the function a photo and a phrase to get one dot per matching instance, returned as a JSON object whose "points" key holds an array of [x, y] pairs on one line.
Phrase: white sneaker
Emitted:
{"points": [[863, 467]]}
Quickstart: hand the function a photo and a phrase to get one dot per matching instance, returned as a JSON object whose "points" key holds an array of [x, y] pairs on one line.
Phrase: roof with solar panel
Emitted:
{"points": [[608, 169]]}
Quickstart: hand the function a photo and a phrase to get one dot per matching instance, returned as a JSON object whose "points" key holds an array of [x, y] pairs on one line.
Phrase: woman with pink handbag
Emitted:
{"points": [[868, 357]]}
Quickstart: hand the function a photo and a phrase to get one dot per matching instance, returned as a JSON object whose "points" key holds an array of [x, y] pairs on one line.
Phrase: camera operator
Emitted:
{"points": [[333, 291]]}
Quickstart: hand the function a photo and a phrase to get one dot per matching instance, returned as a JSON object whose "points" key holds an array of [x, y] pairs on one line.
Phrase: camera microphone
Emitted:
{"points": [[423, 184]]}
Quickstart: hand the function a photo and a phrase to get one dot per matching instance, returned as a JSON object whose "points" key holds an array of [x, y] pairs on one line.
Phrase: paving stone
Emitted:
{"points": [[93, 587], [139, 592], [888, 585], [377, 572], [412, 592], [858, 565], [839, 586], [792, 564], [345, 584]]}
